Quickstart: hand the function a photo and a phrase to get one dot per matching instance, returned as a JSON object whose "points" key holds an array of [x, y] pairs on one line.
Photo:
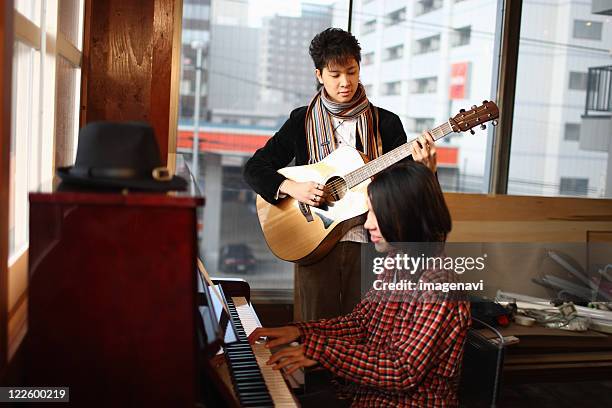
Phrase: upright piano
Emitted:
{"points": [[119, 313]]}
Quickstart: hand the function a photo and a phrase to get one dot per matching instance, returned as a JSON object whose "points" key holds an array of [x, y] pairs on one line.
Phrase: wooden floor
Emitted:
{"points": [[558, 395]]}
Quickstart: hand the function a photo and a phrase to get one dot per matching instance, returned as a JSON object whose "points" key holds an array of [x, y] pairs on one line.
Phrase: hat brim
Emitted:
{"points": [[177, 183]]}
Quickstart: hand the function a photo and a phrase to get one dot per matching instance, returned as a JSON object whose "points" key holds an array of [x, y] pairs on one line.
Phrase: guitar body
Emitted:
{"points": [[300, 233]]}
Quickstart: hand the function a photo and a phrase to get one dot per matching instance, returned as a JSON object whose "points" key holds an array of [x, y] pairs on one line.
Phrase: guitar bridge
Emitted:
{"points": [[306, 212]]}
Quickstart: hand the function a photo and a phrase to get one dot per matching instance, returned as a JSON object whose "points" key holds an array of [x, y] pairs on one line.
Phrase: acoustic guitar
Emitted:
{"points": [[301, 233]]}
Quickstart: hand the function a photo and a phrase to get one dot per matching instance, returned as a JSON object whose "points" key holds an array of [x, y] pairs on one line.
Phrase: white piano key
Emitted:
{"points": [[281, 395]]}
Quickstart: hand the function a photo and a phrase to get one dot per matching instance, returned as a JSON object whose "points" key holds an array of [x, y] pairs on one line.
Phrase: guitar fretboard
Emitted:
{"points": [[386, 160]]}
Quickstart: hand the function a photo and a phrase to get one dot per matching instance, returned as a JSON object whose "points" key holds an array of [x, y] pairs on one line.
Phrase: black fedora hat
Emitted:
{"points": [[119, 155]]}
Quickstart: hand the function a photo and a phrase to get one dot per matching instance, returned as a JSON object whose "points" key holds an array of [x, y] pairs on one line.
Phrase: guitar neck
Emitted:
{"points": [[388, 159]]}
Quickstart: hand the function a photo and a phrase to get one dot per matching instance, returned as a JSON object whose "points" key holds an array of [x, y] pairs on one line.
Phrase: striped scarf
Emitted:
{"points": [[320, 129]]}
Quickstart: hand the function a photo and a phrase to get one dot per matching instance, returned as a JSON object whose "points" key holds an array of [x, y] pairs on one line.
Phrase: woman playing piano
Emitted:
{"points": [[396, 348]]}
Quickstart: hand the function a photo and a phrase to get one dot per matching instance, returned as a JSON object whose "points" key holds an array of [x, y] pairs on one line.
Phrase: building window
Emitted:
{"points": [[368, 58], [427, 44], [461, 36], [392, 88], [573, 186], [426, 6], [424, 85], [395, 52], [395, 17], [572, 132], [417, 125], [368, 27], [578, 81], [587, 30]]}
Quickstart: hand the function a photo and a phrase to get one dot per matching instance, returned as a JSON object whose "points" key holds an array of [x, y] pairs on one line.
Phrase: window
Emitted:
{"points": [[252, 84], [578, 81], [573, 186], [431, 73], [426, 6], [417, 125], [392, 88], [427, 44], [587, 30], [572, 132], [395, 17], [556, 164], [368, 58], [461, 36], [45, 103], [424, 85], [368, 27], [394, 52]]}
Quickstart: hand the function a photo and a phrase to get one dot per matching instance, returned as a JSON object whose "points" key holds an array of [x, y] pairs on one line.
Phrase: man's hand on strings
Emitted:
{"points": [[424, 151], [309, 192]]}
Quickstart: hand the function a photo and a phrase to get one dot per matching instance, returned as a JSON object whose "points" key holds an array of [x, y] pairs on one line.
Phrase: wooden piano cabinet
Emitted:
{"points": [[112, 298]]}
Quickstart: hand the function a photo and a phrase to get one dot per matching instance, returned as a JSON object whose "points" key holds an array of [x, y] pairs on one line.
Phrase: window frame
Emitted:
{"points": [[52, 43]]}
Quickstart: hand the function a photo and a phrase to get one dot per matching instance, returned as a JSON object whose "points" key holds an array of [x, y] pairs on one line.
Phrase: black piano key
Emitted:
{"points": [[248, 380], [239, 353], [253, 397], [251, 381], [241, 366], [245, 357], [253, 387], [257, 403]]}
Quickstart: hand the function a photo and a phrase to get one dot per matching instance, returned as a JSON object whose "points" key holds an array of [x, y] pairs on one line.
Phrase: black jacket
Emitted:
{"points": [[260, 171]]}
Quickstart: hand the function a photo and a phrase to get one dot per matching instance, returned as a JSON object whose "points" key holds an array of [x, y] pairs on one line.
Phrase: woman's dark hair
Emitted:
{"points": [[409, 204], [334, 45]]}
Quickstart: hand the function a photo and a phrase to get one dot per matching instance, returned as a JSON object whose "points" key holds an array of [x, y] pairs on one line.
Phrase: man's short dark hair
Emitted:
{"points": [[334, 45], [409, 204]]}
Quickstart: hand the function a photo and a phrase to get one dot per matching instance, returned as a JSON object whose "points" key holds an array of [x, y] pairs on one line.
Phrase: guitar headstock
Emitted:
{"points": [[478, 115]]}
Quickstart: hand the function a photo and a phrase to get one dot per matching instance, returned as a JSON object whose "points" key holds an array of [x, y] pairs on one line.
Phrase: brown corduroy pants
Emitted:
{"points": [[330, 287]]}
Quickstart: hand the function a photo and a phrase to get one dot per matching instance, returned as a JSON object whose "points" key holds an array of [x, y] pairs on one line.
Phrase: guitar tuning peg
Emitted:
{"points": [[494, 123], [461, 110], [483, 126], [474, 106], [472, 131]]}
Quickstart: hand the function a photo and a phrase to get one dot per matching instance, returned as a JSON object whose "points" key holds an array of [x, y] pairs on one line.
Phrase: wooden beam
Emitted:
{"points": [[6, 65], [127, 63]]}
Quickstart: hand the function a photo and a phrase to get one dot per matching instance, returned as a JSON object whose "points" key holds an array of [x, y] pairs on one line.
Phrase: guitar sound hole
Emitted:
{"points": [[335, 189]]}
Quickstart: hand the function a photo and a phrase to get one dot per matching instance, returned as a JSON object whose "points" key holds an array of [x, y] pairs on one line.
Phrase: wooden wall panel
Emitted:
{"points": [[517, 233], [127, 63], [6, 65], [502, 218]]}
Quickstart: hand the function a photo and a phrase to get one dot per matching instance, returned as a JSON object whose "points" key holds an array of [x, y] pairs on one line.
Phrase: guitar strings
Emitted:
{"points": [[438, 132]]}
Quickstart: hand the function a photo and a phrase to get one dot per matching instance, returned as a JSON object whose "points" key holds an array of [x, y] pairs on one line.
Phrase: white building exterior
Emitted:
{"points": [[409, 48]]}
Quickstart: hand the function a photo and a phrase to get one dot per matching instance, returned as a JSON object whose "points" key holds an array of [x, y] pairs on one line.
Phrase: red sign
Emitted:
{"points": [[459, 80]]}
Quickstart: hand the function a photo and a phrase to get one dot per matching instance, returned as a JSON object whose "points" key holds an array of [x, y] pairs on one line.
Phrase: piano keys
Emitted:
{"points": [[254, 383]]}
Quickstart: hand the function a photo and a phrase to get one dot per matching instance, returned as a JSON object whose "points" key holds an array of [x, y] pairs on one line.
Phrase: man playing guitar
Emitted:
{"points": [[339, 114]]}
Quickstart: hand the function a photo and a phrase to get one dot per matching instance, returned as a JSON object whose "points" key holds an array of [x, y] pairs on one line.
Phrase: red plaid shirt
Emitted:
{"points": [[398, 351]]}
